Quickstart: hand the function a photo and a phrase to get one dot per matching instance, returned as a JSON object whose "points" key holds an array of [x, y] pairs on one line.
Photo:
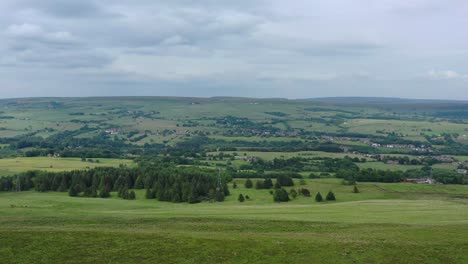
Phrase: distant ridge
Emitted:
{"points": [[357, 99]]}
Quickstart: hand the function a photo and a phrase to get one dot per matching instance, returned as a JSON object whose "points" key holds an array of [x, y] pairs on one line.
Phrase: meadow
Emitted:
{"points": [[384, 223], [21, 164]]}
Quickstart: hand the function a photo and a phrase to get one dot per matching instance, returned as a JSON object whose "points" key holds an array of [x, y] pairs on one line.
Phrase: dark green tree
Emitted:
{"points": [[74, 190], [267, 184], [131, 195], [330, 196], [259, 185], [219, 196], [139, 183], [318, 197], [248, 183], [241, 198], [355, 189], [104, 193], [280, 195]]}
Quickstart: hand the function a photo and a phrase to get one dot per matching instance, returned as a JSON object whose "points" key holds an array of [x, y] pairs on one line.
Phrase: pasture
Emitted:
{"points": [[384, 223], [15, 165]]}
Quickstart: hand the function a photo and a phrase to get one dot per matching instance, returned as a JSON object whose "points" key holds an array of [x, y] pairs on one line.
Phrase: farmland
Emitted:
{"points": [[232, 180], [17, 165]]}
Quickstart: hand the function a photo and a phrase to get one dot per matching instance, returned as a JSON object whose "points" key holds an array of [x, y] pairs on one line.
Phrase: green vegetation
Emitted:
{"points": [[428, 228], [17, 165], [233, 180]]}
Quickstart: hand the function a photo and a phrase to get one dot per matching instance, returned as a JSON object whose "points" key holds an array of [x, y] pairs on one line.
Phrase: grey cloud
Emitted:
{"points": [[244, 48]]}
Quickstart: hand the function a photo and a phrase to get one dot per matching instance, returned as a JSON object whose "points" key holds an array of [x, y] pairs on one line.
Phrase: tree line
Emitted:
{"points": [[164, 182]]}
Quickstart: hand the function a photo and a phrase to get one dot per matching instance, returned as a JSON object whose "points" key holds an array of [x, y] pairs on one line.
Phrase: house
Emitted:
{"points": [[462, 171]]}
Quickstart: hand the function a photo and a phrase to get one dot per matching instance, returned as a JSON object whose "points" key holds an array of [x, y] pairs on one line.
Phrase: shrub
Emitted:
{"points": [[241, 198]]}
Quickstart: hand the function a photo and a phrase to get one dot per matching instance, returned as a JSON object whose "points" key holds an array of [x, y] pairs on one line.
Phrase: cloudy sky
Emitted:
{"points": [[255, 48]]}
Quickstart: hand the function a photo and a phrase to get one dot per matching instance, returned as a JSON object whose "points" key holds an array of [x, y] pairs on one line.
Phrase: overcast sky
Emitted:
{"points": [[254, 48]]}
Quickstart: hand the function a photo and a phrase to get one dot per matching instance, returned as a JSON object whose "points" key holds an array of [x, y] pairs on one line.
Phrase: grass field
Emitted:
{"points": [[385, 223], [16, 165]]}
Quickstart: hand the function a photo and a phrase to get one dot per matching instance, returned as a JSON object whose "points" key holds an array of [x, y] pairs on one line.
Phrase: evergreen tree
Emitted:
{"points": [[139, 183], [131, 195], [219, 196], [234, 185], [150, 194], [248, 183], [280, 195], [330, 196], [74, 190], [104, 193], [267, 184], [277, 185], [259, 185], [355, 189], [211, 195], [318, 197], [241, 198]]}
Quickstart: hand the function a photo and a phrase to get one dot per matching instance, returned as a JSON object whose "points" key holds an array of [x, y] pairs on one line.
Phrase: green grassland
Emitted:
{"points": [[385, 223], [161, 113], [16, 165]]}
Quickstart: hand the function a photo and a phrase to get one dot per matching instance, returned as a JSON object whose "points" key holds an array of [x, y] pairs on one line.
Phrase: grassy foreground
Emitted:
{"points": [[385, 223]]}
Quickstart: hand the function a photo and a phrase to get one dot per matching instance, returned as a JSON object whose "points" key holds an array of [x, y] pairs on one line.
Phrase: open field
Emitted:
{"points": [[385, 223], [16, 165]]}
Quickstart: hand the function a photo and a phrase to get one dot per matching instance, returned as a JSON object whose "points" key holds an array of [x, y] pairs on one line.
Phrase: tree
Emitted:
{"points": [[138, 183], [355, 189], [74, 190], [280, 195], [241, 198], [234, 185], [277, 185], [330, 196], [259, 185], [318, 197], [131, 195], [284, 180], [104, 193], [212, 195], [248, 183], [267, 183], [150, 194], [305, 192], [293, 193], [219, 196]]}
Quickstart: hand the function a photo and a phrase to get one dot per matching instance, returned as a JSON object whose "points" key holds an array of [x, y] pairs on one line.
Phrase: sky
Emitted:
{"points": [[248, 48]]}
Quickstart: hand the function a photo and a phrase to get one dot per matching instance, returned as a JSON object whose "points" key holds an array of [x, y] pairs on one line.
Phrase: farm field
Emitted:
{"points": [[182, 153], [385, 223], [16, 165]]}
